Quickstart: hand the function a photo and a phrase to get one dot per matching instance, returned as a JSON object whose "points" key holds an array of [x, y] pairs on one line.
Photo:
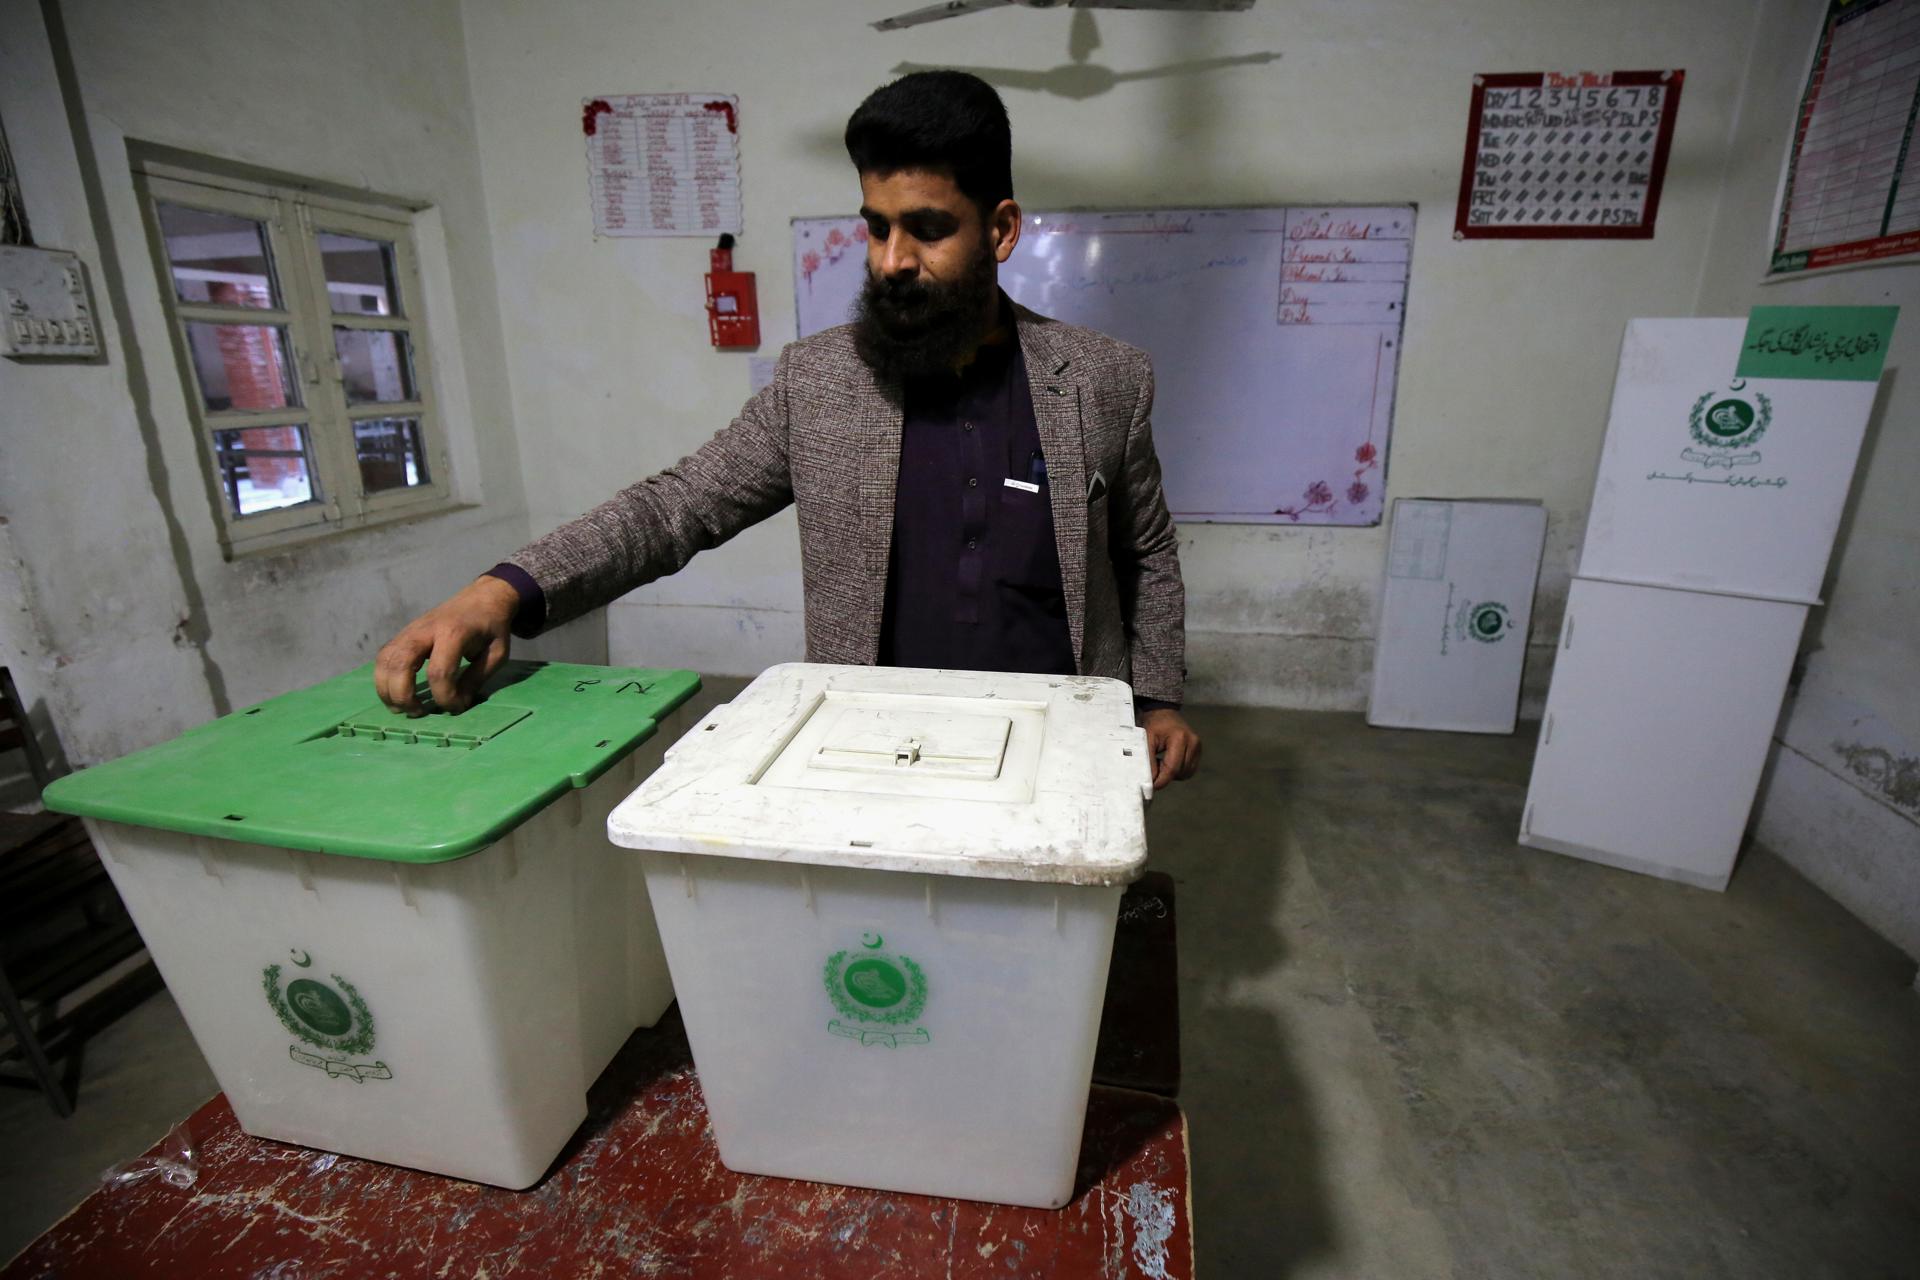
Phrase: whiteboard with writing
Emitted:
{"points": [[1275, 337]]}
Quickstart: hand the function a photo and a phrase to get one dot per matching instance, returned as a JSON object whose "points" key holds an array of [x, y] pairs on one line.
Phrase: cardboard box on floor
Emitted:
{"points": [[1454, 613]]}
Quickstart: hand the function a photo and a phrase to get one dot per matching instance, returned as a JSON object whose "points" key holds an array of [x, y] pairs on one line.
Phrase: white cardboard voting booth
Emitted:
{"points": [[1656, 727], [887, 898], [1730, 449], [1709, 481], [1455, 611]]}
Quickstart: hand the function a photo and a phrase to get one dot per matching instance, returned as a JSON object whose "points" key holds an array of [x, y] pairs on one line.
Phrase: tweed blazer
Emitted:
{"points": [[825, 435]]}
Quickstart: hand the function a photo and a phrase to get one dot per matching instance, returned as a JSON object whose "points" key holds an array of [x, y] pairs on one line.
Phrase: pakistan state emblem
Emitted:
{"points": [[1488, 622], [876, 995], [1726, 427], [330, 1018]]}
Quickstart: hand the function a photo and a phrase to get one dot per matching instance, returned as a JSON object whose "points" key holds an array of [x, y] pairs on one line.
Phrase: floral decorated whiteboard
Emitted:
{"points": [[1275, 336]]}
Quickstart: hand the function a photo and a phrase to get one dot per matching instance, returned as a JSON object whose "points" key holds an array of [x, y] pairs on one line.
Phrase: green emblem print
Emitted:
{"points": [[319, 1006], [1488, 622], [877, 995], [327, 1016], [877, 984], [1729, 422]]}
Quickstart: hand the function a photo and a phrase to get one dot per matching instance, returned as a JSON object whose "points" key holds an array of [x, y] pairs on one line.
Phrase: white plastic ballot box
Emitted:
{"points": [[1656, 728], [402, 939], [1709, 481], [887, 898], [1455, 611]]}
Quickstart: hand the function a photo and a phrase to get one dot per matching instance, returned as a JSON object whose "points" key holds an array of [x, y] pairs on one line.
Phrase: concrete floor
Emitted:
{"points": [[1415, 1049]]}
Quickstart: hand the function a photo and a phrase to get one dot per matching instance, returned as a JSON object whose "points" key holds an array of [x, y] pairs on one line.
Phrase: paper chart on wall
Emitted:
{"points": [[1850, 192], [663, 164], [1274, 333], [1566, 156]]}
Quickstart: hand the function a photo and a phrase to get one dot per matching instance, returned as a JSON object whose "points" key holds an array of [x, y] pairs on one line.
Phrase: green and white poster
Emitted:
{"points": [[1730, 449]]}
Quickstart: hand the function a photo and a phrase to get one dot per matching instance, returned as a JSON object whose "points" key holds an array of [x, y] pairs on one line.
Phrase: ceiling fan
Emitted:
{"points": [[960, 8]]}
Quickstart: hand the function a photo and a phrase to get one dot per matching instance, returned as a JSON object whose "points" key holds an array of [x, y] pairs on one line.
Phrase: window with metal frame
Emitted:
{"points": [[298, 325]]}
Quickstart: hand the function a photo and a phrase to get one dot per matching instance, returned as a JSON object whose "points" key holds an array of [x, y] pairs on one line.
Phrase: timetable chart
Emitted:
{"points": [[1566, 156], [663, 164]]}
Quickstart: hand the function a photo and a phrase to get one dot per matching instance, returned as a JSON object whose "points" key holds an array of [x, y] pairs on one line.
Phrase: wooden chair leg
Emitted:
{"points": [[28, 1039]]}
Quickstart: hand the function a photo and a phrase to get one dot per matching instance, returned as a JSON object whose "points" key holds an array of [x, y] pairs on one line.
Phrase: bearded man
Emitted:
{"points": [[976, 484]]}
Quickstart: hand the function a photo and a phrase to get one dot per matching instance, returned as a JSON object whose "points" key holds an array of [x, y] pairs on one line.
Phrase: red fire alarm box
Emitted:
{"points": [[733, 309]]}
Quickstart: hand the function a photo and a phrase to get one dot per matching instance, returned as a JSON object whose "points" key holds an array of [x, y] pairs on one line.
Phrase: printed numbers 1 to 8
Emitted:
{"points": [[1618, 97]]}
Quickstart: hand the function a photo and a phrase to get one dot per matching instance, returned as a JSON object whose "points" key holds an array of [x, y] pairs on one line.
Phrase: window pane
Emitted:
{"points": [[264, 468], [243, 366], [359, 275], [391, 455], [376, 364], [219, 258]]}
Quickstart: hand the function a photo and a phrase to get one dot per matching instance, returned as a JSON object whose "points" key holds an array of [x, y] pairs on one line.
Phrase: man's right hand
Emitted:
{"points": [[475, 624]]}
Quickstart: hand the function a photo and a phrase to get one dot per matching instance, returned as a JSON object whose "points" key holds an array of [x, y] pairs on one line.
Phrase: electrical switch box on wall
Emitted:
{"points": [[733, 307], [44, 311]]}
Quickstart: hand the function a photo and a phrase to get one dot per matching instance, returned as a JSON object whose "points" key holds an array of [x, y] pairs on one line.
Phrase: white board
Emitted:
{"points": [[1673, 507], [1275, 337], [1455, 610]]}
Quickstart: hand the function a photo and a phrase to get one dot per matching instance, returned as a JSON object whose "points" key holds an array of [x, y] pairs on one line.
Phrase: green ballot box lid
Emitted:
{"points": [[329, 769]]}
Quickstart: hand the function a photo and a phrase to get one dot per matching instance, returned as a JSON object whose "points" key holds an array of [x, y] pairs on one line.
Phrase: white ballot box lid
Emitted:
{"points": [[961, 773]]}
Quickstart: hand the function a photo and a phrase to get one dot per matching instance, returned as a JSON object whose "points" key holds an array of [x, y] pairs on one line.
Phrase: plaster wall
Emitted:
{"points": [[143, 628], [20, 653], [1842, 797], [1510, 346]]}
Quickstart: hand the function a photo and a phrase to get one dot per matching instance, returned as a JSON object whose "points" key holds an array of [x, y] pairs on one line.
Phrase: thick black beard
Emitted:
{"points": [[909, 328]]}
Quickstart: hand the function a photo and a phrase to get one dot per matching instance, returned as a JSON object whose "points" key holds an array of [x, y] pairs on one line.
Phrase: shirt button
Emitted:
{"points": [[971, 544], [973, 482], [967, 426]]}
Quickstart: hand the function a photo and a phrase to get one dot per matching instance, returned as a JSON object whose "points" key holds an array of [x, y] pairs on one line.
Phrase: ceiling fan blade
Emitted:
{"points": [[1190, 6], [936, 12]]}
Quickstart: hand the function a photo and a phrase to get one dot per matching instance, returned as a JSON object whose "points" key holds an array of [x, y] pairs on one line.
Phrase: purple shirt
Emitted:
{"points": [[973, 583]]}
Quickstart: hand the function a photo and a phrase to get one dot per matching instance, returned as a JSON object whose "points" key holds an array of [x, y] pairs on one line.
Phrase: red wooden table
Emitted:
{"points": [[640, 1191]]}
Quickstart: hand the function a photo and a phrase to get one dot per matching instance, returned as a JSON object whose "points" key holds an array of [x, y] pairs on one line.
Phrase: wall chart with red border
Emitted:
{"points": [[1566, 156], [663, 164]]}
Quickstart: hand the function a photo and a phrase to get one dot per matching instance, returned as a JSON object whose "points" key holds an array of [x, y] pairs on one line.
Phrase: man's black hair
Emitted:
{"points": [[937, 120]]}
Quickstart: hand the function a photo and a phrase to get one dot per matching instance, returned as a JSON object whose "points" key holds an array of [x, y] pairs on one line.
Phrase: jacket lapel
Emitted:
{"points": [[1056, 411]]}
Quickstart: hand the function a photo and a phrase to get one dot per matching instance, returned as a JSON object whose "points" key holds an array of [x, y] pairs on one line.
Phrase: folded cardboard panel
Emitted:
{"points": [[1455, 612]]}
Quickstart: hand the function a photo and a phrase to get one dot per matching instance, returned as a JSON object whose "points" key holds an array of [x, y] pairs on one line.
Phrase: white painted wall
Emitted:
{"points": [[1842, 800], [21, 653], [138, 628], [1510, 347], [143, 629]]}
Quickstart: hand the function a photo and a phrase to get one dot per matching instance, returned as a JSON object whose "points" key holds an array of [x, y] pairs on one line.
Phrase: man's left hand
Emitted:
{"points": [[1173, 744]]}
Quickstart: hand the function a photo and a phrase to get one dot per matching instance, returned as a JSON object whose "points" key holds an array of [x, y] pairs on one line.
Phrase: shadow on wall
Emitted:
{"points": [[1193, 115], [1079, 78], [1259, 1188], [1189, 106], [1810, 640], [1871, 776], [194, 628]]}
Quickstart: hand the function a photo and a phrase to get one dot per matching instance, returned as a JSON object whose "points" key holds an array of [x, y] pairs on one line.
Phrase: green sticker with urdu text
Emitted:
{"points": [[1845, 344]]}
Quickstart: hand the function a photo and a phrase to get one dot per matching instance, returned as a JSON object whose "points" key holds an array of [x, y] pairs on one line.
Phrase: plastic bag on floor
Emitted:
{"points": [[175, 1163]]}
